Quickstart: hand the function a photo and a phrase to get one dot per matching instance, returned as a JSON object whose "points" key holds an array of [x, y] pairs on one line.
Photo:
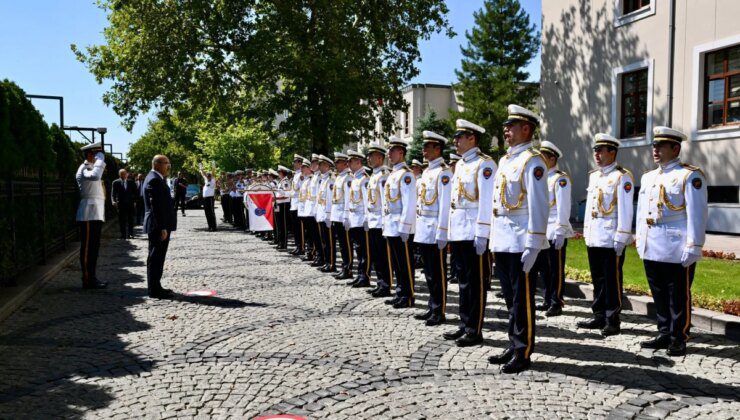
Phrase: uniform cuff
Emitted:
{"points": [[623, 237], [536, 241], [482, 230]]}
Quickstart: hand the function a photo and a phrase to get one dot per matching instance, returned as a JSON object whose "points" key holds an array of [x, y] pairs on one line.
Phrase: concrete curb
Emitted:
{"points": [[37, 277], [723, 324]]}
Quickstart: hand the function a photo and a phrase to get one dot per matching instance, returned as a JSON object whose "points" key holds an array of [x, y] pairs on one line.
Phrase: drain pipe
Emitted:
{"points": [[671, 59]]}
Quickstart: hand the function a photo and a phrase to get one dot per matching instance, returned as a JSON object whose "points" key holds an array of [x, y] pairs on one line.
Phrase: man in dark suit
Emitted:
{"points": [[139, 200], [159, 223], [123, 193], [181, 189]]}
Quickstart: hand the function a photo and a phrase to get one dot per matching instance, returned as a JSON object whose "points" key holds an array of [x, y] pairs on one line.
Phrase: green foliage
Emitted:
{"points": [[169, 135], [430, 122], [500, 46], [332, 65], [237, 146], [68, 157]]}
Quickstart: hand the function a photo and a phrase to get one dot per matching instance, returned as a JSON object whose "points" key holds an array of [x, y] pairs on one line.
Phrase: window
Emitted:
{"points": [[634, 97], [722, 88], [629, 6]]}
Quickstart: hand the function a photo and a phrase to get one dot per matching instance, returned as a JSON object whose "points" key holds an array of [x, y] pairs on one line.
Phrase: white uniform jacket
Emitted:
{"points": [[559, 187], [671, 212], [339, 196], [313, 194], [609, 207], [92, 194], [471, 197], [304, 194], [433, 204], [295, 190], [323, 201], [355, 204], [399, 204], [520, 201], [284, 187], [375, 197]]}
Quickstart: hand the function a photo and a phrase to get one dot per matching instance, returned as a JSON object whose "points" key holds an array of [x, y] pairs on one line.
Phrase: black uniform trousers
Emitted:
{"points": [[298, 234], [380, 258], [403, 266], [210, 213], [345, 246], [519, 289], [89, 247], [155, 261], [281, 224], [454, 263], [180, 202], [237, 212], [436, 276], [328, 246], [126, 219], [670, 285], [550, 267], [361, 243], [606, 275], [314, 238], [226, 207], [474, 277]]}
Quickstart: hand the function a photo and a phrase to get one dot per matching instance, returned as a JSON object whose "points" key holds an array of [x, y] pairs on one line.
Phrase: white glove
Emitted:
{"points": [[100, 156], [346, 225], [559, 241], [480, 245], [366, 226], [404, 237], [529, 256], [619, 248], [441, 244], [688, 258]]}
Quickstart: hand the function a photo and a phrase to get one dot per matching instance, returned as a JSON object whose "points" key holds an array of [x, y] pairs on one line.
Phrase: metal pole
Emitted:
{"points": [[43, 216]]}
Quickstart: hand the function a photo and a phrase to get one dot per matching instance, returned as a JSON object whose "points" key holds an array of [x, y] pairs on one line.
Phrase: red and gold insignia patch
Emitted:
{"points": [[538, 172], [445, 180], [696, 183], [407, 180], [487, 172], [563, 182], [628, 186]]}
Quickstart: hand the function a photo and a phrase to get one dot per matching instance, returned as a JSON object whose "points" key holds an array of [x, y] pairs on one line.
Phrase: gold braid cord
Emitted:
{"points": [[359, 195], [612, 205], [423, 195], [664, 201], [388, 193], [505, 202]]}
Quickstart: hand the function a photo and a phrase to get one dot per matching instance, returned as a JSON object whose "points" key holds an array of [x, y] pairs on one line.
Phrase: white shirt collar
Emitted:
{"points": [[608, 168], [553, 169], [435, 163], [515, 150], [670, 165], [470, 154], [398, 166]]}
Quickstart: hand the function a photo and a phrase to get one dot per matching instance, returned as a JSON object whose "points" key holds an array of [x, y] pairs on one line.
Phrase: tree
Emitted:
{"points": [[237, 146], [331, 65], [429, 122], [169, 134], [499, 47]]}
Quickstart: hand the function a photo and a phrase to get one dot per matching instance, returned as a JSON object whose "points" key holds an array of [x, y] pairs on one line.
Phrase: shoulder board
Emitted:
{"points": [[559, 172], [484, 156], [444, 166], [621, 169], [534, 151], [693, 168]]}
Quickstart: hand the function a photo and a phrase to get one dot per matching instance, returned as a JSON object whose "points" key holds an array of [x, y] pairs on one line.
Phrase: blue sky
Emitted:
{"points": [[34, 52]]}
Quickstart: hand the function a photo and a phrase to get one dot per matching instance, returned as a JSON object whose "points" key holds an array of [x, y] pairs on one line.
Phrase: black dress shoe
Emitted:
{"points": [[97, 284], [469, 340], [454, 335], [659, 342], [554, 311], [453, 280], [381, 293], [610, 330], [343, 275], [162, 294], [424, 316], [373, 290], [317, 263], [516, 364], [499, 295], [503, 358], [542, 306], [677, 348], [328, 269], [404, 303], [592, 323], [361, 283], [436, 319], [391, 301]]}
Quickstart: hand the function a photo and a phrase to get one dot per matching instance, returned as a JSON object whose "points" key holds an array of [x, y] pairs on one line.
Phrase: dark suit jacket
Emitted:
{"points": [[123, 197], [159, 209]]}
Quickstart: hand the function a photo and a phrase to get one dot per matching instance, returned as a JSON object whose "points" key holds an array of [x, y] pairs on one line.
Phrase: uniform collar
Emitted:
{"points": [[360, 173], [670, 165], [345, 171], [399, 165], [160, 175], [326, 175], [606, 169], [435, 163], [515, 150], [470, 154], [553, 169]]}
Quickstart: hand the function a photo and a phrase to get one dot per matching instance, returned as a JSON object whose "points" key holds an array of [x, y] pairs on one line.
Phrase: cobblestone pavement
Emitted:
{"points": [[283, 338]]}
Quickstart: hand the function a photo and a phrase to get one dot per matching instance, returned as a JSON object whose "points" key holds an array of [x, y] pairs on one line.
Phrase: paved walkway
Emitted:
{"points": [[282, 337]]}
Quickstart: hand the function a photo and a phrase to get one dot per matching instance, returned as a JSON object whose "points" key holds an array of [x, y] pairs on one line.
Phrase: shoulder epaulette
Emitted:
{"points": [[693, 168], [534, 151], [592, 171], [484, 156]]}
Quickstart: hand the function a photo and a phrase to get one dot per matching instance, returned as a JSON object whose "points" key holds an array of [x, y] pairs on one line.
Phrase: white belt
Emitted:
{"points": [[596, 215], [463, 206], [431, 213], [675, 218], [357, 210], [393, 211], [505, 212]]}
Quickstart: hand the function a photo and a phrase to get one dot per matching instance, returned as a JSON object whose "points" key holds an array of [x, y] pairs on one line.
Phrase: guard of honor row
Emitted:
{"points": [[515, 213]]}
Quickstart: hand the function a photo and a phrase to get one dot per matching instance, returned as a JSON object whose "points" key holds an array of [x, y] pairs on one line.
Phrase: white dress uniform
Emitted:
{"points": [[375, 197], [340, 194], [671, 225], [91, 214], [324, 199], [356, 204], [354, 214], [323, 217], [295, 184], [606, 228], [295, 203], [379, 249], [432, 221], [282, 209]]}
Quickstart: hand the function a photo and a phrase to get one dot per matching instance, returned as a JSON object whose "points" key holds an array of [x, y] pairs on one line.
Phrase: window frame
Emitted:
{"points": [[621, 18], [724, 75], [636, 94], [617, 103]]}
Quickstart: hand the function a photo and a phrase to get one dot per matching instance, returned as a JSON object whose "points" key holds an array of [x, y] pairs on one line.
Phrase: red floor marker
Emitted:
{"points": [[202, 293]]}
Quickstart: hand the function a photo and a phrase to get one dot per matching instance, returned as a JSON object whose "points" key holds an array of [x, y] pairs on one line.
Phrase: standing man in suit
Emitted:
{"points": [[122, 196], [139, 199], [91, 212], [159, 222], [181, 188]]}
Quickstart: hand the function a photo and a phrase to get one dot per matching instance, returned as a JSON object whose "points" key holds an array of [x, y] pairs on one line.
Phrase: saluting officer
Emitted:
{"points": [[399, 214], [283, 195], [379, 249], [607, 229], [295, 190], [550, 262], [323, 214], [355, 209], [432, 222], [91, 212], [520, 208], [671, 224], [470, 228], [339, 222]]}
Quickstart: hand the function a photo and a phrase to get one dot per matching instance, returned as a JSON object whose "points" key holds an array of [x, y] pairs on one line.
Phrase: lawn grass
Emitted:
{"points": [[715, 280]]}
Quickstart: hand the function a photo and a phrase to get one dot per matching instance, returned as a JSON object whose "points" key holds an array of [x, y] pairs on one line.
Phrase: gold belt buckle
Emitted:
{"points": [[650, 221], [594, 214], [452, 205], [495, 212]]}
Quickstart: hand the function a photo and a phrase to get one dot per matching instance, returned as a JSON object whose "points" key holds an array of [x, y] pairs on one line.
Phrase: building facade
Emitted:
{"points": [[626, 66]]}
